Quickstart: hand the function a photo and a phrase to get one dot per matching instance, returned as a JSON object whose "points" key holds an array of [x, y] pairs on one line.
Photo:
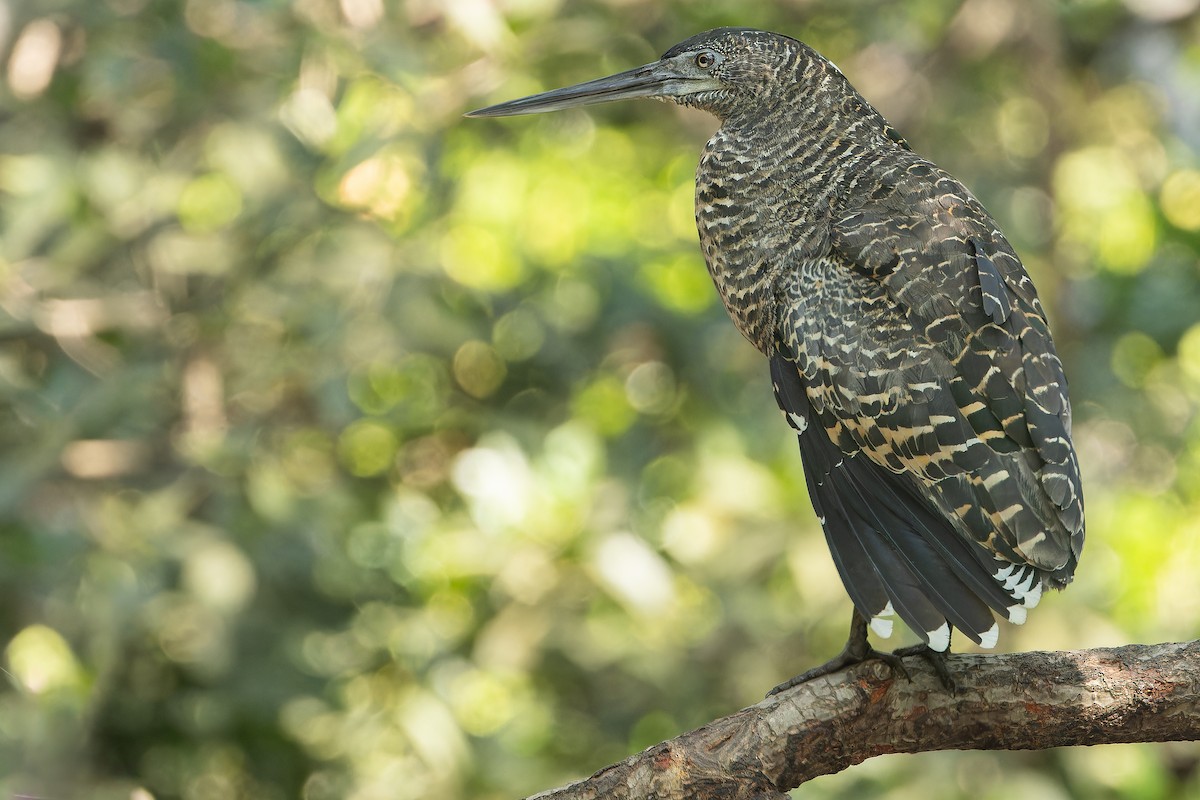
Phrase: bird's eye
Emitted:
{"points": [[705, 60]]}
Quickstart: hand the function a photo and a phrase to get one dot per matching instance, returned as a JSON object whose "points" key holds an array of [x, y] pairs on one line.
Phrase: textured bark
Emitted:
{"points": [[1022, 701]]}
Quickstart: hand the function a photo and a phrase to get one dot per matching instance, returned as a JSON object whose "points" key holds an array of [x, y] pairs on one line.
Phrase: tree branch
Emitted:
{"points": [[1019, 701]]}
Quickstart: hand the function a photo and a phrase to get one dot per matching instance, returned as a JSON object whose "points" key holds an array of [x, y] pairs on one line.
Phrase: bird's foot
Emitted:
{"points": [[847, 658], [936, 659]]}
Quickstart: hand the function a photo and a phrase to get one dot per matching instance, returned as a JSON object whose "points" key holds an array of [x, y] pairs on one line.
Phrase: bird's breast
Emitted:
{"points": [[752, 220], [735, 235]]}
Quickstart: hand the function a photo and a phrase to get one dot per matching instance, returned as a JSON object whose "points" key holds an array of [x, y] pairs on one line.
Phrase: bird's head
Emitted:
{"points": [[725, 71]]}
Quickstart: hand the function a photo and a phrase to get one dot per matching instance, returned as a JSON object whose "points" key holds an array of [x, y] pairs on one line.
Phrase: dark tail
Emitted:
{"points": [[889, 544]]}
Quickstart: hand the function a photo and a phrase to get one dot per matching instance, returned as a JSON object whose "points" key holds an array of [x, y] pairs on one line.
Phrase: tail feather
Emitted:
{"points": [[899, 525], [855, 568], [892, 549], [903, 586], [970, 563]]}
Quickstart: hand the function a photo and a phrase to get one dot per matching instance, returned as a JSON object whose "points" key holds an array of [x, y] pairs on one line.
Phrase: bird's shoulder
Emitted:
{"points": [[922, 234]]}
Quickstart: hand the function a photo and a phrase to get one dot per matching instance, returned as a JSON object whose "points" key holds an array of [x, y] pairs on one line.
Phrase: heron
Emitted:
{"points": [[908, 348]]}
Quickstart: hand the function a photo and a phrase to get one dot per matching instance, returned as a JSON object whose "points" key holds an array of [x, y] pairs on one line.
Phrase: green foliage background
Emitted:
{"points": [[351, 449]]}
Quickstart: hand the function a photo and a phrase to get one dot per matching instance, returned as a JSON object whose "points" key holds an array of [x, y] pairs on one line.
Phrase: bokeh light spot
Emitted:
{"points": [[635, 574], [558, 210], [1023, 126], [379, 185], [1180, 199], [221, 575], [209, 203], [40, 658], [478, 369], [34, 58], [518, 335], [680, 283], [650, 388], [1134, 356], [496, 479], [1104, 208], [310, 116], [690, 535], [367, 447], [604, 404], [482, 702], [1189, 358], [478, 258]]}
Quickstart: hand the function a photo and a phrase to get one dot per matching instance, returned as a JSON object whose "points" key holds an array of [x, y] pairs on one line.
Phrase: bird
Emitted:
{"points": [[907, 345]]}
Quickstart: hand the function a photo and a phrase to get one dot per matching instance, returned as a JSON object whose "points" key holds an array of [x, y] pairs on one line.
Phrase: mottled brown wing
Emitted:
{"points": [[948, 373]]}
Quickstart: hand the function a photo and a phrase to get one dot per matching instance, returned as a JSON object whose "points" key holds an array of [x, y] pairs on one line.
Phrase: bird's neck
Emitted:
{"points": [[818, 131], [770, 184]]}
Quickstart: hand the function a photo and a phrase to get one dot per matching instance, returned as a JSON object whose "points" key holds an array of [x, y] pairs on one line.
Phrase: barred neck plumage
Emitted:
{"points": [[799, 150], [801, 93]]}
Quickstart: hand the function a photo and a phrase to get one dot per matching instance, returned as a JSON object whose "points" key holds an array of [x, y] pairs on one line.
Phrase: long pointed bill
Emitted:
{"points": [[651, 80]]}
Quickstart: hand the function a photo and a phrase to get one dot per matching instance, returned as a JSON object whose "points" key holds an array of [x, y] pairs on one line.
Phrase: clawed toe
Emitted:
{"points": [[936, 659], [856, 651]]}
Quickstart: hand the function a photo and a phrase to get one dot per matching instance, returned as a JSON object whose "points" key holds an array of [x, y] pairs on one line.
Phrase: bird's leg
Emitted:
{"points": [[936, 659], [857, 650]]}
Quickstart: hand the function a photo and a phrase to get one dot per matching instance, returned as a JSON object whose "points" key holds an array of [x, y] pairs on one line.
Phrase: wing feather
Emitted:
{"points": [[946, 379]]}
